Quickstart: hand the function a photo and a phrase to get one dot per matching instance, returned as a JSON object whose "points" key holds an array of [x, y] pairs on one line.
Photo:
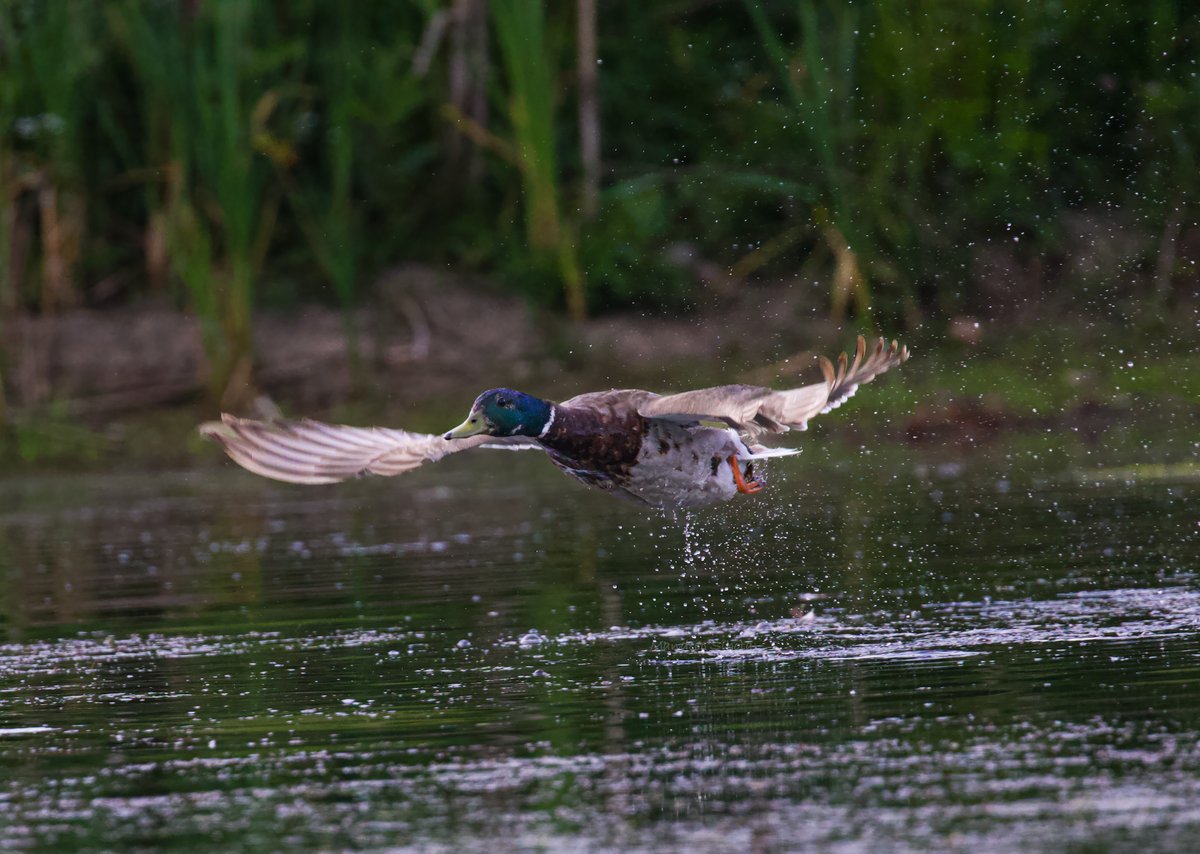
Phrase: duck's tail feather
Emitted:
{"points": [[758, 452]]}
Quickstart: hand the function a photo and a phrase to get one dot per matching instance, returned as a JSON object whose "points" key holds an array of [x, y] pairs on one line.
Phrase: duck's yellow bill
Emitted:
{"points": [[473, 426]]}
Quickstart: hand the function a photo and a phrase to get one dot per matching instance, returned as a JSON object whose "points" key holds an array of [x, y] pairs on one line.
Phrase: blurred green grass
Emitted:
{"points": [[242, 154]]}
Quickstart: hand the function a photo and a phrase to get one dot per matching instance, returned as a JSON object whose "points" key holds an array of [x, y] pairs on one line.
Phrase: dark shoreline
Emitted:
{"points": [[102, 388]]}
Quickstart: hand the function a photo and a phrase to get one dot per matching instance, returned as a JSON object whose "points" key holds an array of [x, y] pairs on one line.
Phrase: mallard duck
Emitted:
{"points": [[669, 451]]}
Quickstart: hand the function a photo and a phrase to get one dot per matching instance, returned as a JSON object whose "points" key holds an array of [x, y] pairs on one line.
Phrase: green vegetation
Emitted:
{"points": [[520, 29], [230, 154]]}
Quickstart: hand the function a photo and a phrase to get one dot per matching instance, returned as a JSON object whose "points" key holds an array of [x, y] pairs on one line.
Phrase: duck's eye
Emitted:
{"points": [[504, 403]]}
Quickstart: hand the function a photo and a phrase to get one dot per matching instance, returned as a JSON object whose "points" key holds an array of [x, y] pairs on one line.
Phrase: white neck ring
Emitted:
{"points": [[549, 423]]}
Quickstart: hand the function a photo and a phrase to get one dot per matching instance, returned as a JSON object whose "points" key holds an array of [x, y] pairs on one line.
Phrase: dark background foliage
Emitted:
{"points": [[920, 159]]}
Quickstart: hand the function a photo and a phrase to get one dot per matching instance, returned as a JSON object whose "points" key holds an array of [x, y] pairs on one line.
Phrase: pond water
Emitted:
{"points": [[889, 649]]}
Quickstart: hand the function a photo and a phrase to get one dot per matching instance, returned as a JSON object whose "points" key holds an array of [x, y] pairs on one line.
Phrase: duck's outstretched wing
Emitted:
{"points": [[754, 410], [311, 452]]}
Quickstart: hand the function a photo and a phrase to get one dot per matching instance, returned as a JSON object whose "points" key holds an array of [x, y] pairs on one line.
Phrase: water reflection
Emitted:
{"points": [[889, 654]]}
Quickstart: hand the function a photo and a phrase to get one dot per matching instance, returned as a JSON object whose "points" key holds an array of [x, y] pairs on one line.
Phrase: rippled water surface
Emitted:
{"points": [[889, 652]]}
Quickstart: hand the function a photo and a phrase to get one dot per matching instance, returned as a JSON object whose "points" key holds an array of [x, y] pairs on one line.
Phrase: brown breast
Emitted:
{"points": [[605, 440]]}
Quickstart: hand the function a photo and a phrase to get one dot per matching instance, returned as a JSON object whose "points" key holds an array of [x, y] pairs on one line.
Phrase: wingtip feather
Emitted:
{"points": [[827, 369]]}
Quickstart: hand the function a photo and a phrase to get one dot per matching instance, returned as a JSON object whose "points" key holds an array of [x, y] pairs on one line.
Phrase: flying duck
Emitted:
{"points": [[668, 451]]}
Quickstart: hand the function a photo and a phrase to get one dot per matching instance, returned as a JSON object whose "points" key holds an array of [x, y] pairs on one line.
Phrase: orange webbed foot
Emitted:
{"points": [[746, 487]]}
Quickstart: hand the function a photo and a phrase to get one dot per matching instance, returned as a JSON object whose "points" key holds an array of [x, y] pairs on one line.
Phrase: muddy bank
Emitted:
{"points": [[425, 333], [96, 385]]}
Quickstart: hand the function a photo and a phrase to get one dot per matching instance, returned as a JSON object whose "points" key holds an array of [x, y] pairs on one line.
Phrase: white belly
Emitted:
{"points": [[686, 467]]}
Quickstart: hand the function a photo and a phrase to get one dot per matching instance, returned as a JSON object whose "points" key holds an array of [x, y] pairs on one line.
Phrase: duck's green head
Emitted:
{"points": [[504, 412]]}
